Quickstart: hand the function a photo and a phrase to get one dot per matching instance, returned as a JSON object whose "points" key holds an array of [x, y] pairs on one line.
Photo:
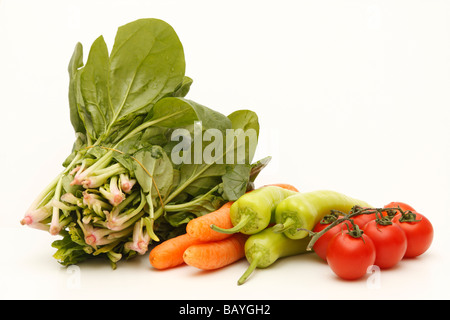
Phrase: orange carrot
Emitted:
{"points": [[284, 186], [216, 254], [169, 253], [200, 228]]}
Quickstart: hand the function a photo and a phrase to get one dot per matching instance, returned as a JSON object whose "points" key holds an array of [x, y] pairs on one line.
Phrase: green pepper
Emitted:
{"points": [[305, 210], [253, 211], [266, 247]]}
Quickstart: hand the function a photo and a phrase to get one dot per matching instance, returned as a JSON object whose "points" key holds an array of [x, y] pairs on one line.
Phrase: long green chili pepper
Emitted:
{"points": [[305, 210], [266, 247], [253, 211]]}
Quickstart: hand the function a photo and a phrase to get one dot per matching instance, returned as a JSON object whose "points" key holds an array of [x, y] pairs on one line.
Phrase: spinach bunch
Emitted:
{"points": [[120, 188]]}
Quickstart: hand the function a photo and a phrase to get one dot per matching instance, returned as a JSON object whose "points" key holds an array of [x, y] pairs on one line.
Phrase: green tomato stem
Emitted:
{"points": [[357, 210]]}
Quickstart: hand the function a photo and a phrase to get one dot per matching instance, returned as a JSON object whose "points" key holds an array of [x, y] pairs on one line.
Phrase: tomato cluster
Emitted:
{"points": [[367, 236]]}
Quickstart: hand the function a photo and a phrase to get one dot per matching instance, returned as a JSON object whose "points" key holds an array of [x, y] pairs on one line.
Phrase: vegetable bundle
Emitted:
{"points": [[134, 175]]}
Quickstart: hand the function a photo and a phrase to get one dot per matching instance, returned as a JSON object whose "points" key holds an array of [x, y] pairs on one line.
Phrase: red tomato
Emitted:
{"points": [[390, 243], [362, 219], [402, 205], [419, 234], [349, 257], [321, 245]]}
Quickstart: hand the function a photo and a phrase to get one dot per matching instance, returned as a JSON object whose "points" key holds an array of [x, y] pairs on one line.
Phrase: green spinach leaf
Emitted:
{"points": [[75, 63], [94, 88], [154, 173], [146, 63]]}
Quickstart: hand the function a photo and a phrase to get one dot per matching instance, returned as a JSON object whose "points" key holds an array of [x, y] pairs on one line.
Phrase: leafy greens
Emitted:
{"points": [[120, 188]]}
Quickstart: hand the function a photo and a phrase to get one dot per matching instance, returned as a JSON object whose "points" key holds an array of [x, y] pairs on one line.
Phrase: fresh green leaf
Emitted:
{"points": [[154, 172], [258, 166], [179, 112], [147, 63], [245, 119], [83, 114], [75, 63], [245, 127], [235, 181], [183, 88], [94, 87], [199, 178], [69, 252], [126, 161]]}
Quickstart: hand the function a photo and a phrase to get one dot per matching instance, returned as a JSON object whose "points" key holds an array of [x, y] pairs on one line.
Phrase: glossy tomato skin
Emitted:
{"points": [[362, 219], [390, 243], [402, 206], [350, 257], [419, 234], [321, 245]]}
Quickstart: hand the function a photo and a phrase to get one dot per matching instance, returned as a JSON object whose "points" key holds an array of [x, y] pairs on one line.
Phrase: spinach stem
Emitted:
{"points": [[178, 207], [145, 125], [55, 226], [47, 192]]}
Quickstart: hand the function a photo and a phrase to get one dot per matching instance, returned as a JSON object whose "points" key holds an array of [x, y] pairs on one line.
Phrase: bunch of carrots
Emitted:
{"points": [[201, 246]]}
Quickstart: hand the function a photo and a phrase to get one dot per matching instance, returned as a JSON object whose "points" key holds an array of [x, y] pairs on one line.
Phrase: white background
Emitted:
{"points": [[352, 96]]}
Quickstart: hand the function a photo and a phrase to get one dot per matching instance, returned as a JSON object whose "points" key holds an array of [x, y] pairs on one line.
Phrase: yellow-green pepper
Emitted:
{"points": [[253, 211], [305, 210], [266, 247]]}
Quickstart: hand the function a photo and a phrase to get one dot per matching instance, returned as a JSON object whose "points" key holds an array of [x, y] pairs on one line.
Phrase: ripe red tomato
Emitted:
{"points": [[418, 234], [349, 257], [362, 219], [321, 245], [365, 216], [390, 243]]}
